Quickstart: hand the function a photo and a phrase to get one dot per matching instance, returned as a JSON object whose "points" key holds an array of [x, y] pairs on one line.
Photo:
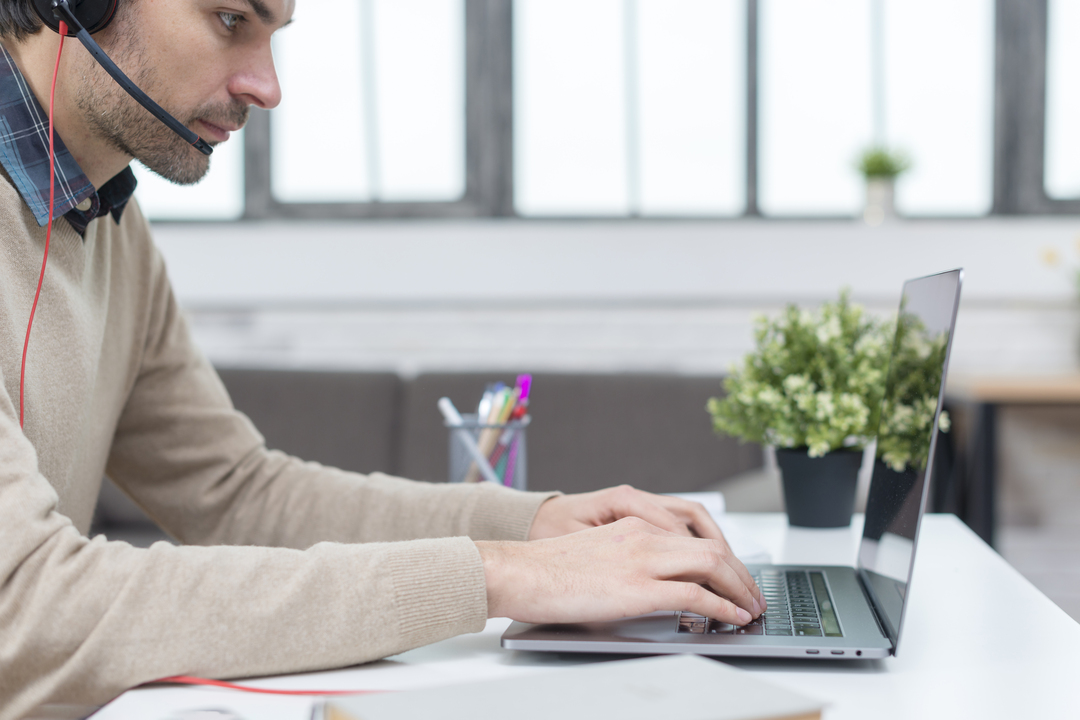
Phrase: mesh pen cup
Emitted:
{"points": [[502, 449]]}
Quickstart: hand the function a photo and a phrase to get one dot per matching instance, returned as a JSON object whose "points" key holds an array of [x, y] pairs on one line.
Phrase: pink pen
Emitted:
{"points": [[511, 464]]}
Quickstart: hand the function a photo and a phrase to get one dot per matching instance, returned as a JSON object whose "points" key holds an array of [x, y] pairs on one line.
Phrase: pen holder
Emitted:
{"points": [[502, 447]]}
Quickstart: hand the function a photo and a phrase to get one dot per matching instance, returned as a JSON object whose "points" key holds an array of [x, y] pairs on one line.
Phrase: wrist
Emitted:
{"points": [[496, 557], [544, 522]]}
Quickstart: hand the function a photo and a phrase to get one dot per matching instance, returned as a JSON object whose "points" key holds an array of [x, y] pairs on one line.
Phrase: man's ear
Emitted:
{"points": [[94, 15]]}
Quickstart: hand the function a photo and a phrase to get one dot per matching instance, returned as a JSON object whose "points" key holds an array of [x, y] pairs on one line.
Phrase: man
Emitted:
{"points": [[285, 566]]}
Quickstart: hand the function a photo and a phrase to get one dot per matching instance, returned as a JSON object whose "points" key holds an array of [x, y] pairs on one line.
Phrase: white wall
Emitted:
{"points": [[601, 296]]}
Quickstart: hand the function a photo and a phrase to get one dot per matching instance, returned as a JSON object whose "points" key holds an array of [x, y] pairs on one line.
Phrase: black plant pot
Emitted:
{"points": [[819, 492]]}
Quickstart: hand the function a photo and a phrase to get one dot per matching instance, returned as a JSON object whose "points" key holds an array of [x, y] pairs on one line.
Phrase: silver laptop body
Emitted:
{"points": [[842, 612]]}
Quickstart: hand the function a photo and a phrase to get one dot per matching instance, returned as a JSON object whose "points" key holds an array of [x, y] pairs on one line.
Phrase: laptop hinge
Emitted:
{"points": [[869, 595]]}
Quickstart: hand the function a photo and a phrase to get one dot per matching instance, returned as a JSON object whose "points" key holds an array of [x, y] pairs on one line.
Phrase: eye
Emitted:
{"points": [[230, 20]]}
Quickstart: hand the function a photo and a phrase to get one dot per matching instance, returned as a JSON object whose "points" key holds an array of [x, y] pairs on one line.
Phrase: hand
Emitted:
{"points": [[569, 513], [625, 568]]}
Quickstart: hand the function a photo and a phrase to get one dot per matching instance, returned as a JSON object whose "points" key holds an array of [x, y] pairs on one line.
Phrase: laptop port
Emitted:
{"points": [[837, 652], [812, 652]]}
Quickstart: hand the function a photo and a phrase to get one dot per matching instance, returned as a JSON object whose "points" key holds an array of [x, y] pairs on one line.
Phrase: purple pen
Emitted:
{"points": [[511, 464]]}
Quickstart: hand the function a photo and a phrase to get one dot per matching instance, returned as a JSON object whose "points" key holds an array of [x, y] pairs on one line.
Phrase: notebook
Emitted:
{"points": [[679, 687]]}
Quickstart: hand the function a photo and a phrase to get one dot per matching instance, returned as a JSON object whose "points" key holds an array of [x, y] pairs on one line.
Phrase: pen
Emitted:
{"points": [[453, 419], [501, 408], [511, 464]]}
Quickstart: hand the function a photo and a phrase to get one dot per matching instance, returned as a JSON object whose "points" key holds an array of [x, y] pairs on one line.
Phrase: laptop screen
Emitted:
{"points": [[910, 417]]}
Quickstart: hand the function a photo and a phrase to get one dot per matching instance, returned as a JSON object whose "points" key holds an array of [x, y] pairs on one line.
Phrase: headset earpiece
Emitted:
{"points": [[94, 15]]}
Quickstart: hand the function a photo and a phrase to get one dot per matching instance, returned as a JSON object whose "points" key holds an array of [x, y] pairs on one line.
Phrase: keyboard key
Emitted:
{"points": [[778, 631], [749, 630], [805, 631], [721, 628]]}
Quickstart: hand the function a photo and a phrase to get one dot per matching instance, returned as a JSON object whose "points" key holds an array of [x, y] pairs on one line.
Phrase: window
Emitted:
{"points": [[815, 105], [654, 108], [629, 107], [939, 103], [841, 75], [377, 114], [1063, 100]]}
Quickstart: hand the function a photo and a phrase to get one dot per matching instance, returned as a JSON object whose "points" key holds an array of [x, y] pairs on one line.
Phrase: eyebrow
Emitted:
{"points": [[264, 13]]}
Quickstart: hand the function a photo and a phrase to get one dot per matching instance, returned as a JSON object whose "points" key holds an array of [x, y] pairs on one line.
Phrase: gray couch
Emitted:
{"points": [[587, 431]]}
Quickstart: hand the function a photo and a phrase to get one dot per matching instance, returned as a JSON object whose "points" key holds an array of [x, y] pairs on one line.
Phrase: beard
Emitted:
{"points": [[127, 126]]}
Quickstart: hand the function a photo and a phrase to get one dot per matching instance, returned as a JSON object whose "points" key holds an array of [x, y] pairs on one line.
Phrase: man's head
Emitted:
{"points": [[204, 61]]}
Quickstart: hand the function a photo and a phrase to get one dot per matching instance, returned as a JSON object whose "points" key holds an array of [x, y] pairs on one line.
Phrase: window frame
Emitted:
{"points": [[488, 139], [1022, 32], [1019, 135]]}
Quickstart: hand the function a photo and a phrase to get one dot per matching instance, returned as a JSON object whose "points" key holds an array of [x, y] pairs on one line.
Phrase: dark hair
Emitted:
{"points": [[18, 20]]}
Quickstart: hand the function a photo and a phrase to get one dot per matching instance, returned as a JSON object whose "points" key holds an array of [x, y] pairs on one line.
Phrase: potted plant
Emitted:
{"points": [[812, 389], [880, 167]]}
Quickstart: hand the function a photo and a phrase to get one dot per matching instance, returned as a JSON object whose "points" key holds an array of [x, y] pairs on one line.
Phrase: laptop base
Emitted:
{"points": [[658, 633]]}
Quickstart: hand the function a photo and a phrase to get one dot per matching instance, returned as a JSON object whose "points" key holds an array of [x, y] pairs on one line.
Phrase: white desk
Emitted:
{"points": [[979, 642]]}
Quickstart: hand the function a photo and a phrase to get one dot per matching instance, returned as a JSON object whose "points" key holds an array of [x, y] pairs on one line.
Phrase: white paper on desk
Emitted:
{"points": [[180, 703], [747, 549]]}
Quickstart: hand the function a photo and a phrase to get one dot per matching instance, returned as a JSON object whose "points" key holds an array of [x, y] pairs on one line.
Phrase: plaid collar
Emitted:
{"points": [[24, 153]]}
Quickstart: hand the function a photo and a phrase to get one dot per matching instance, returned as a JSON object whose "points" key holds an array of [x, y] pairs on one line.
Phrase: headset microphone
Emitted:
{"points": [[97, 14]]}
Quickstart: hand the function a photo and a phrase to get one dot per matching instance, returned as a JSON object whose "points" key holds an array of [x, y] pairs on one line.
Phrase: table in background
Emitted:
{"points": [[979, 641], [973, 492]]}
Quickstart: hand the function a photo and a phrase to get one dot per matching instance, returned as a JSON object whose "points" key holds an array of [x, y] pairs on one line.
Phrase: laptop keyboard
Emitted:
{"points": [[799, 605]]}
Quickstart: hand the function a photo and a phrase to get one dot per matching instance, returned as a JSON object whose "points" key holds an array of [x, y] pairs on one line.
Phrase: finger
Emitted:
{"points": [[703, 524], [694, 515], [738, 566], [707, 565], [688, 596], [630, 502]]}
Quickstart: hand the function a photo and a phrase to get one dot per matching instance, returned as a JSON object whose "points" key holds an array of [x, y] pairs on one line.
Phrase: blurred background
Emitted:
{"points": [[615, 188]]}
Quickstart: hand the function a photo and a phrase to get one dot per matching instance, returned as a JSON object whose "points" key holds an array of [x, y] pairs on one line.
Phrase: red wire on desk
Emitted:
{"points": [[189, 680]]}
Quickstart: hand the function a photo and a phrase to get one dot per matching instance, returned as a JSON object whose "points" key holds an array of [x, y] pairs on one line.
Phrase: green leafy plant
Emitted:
{"points": [[911, 395], [814, 381], [881, 162]]}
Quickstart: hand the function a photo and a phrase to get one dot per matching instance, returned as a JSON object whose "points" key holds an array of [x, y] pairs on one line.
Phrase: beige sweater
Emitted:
{"points": [[115, 387]]}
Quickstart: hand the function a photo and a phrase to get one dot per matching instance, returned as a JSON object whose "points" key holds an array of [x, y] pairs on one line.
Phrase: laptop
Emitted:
{"points": [[824, 612]]}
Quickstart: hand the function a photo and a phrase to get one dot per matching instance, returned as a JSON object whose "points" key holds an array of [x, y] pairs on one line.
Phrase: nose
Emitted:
{"points": [[257, 83]]}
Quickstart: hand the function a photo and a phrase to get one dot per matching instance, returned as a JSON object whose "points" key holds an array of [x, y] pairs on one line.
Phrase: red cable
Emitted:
{"points": [[48, 230], [188, 680]]}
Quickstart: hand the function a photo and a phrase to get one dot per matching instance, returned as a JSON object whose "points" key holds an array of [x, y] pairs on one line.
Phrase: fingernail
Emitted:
{"points": [[764, 605], [757, 608], [744, 617]]}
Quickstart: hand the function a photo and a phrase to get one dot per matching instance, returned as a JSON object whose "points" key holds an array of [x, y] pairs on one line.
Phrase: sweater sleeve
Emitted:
{"points": [[202, 471], [81, 620]]}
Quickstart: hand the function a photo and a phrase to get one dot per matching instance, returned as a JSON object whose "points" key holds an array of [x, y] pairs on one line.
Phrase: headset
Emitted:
{"points": [[84, 17]]}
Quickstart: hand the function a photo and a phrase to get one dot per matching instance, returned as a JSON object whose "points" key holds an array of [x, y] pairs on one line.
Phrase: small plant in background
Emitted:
{"points": [[879, 162], [814, 381], [880, 167]]}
